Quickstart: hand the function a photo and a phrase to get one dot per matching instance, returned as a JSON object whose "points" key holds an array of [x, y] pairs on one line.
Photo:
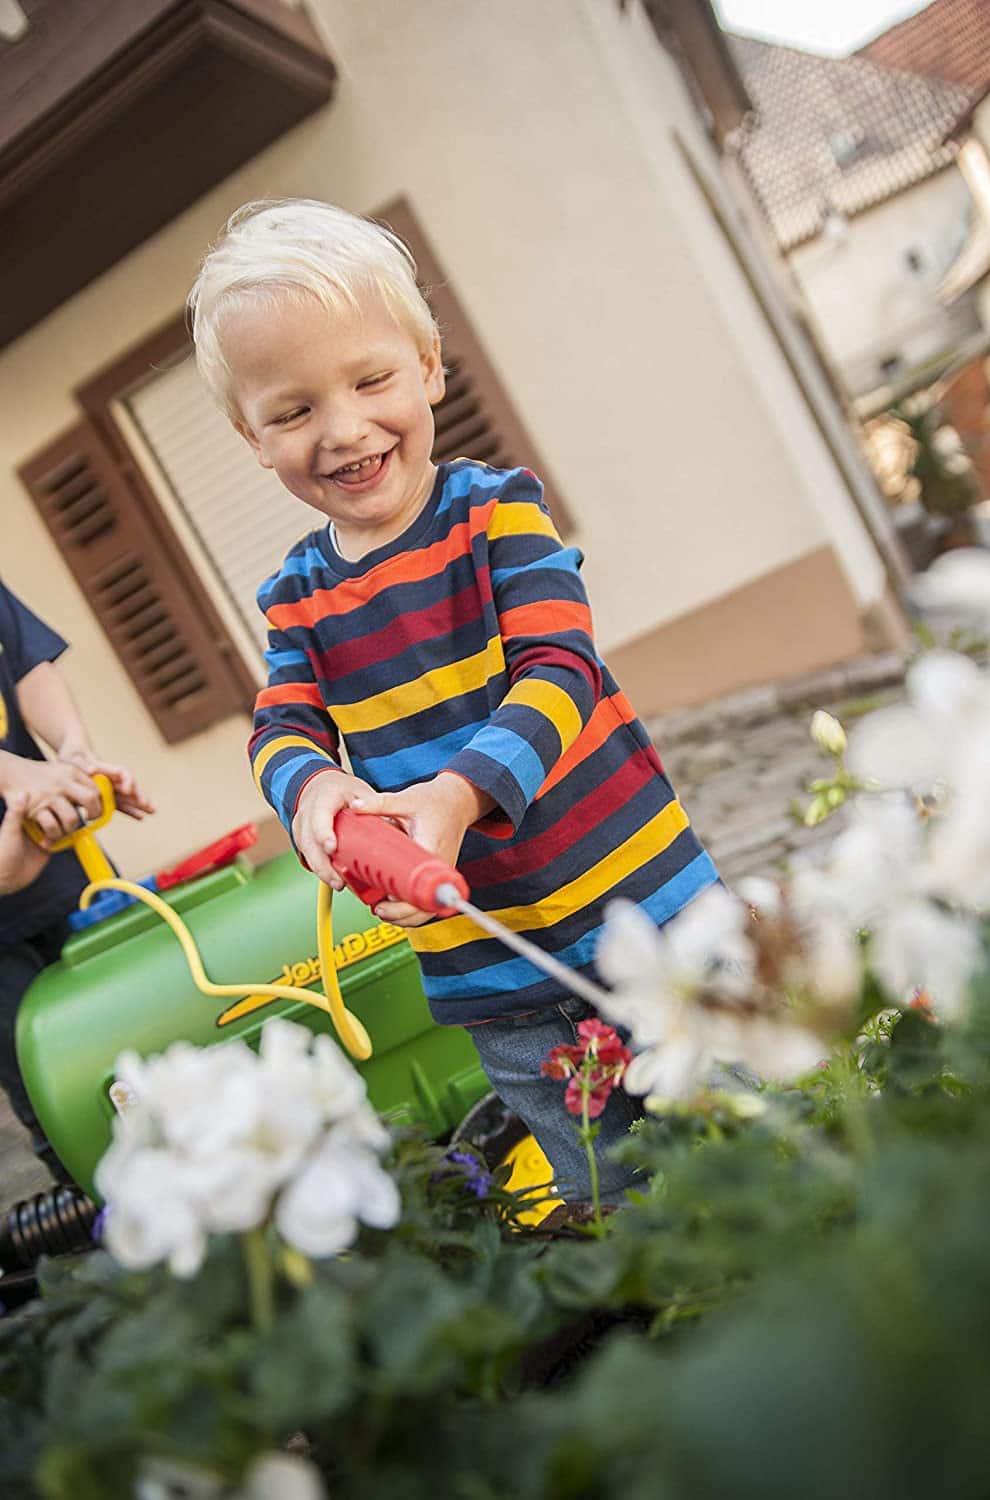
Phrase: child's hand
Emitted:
{"points": [[21, 861], [437, 814], [59, 798], [128, 796], [312, 826]]}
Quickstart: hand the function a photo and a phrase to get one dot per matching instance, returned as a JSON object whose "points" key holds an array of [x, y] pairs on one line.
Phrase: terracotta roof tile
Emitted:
{"points": [[839, 134], [949, 39]]}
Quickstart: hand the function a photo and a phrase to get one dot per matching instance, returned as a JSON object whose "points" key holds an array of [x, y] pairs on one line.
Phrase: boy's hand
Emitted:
{"points": [[437, 814], [312, 826], [21, 861], [128, 796], [58, 797]]}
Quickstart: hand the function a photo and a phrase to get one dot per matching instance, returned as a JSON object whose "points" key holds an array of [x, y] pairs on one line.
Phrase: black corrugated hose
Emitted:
{"points": [[58, 1222]]}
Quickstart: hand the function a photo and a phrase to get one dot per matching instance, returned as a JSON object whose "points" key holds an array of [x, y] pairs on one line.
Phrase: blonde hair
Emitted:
{"points": [[299, 245]]}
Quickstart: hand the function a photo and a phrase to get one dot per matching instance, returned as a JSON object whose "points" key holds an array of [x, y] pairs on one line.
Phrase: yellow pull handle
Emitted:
{"points": [[88, 851]]}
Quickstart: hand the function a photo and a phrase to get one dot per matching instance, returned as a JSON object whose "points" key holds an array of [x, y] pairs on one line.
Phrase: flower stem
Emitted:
{"points": [[261, 1288], [589, 1151]]}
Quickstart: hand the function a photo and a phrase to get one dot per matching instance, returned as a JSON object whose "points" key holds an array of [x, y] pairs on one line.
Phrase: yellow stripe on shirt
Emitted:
{"points": [[549, 699], [284, 742], [408, 698], [519, 519], [650, 840]]}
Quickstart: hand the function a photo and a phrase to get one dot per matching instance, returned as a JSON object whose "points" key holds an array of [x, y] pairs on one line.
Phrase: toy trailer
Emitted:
{"points": [[123, 983]]}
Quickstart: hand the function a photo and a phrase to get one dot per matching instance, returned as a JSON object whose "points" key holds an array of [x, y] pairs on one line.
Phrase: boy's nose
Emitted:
{"points": [[341, 430]]}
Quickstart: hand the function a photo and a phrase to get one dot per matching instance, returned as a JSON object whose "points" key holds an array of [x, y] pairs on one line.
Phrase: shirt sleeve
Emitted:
{"points": [[26, 640], [551, 661], [294, 736]]}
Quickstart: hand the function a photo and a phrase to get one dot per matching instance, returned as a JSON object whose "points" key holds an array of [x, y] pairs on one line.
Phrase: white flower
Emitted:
{"points": [[958, 581], [777, 1048], [885, 876], [153, 1216], [958, 867], [919, 745], [676, 1062], [920, 945], [827, 733], [704, 944], [282, 1476], [871, 863], [172, 1479], [684, 991], [217, 1139], [343, 1183], [658, 973], [763, 894], [273, 1476]]}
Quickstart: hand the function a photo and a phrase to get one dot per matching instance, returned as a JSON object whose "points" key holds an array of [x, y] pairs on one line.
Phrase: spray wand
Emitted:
{"points": [[379, 861]]}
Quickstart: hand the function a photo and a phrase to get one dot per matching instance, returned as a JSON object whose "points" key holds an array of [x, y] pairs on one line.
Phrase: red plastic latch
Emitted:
{"points": [[211, 857]]}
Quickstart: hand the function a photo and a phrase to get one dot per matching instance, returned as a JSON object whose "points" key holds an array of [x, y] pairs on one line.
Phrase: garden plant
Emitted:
{"points": [[291, 1301]]}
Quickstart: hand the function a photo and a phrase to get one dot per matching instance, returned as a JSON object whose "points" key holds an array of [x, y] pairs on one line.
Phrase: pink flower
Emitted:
{"points": [[593, 1067]]}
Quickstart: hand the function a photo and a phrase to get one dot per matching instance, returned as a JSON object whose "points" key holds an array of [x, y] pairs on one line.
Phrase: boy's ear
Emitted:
{"points": [[247, 434], [433, 377]]}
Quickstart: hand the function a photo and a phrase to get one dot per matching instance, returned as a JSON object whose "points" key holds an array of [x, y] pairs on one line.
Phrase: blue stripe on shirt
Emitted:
{"points": [[519, 973]]}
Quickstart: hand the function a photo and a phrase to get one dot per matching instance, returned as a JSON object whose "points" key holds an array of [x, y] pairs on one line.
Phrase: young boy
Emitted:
{"points": [[436, 628]]}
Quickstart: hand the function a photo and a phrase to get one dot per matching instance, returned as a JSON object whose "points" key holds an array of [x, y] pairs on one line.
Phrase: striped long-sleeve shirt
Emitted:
{"points": [[466, 646]]}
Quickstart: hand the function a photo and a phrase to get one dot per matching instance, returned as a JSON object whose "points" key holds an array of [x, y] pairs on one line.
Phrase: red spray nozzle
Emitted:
{"points": [[378, 860]]}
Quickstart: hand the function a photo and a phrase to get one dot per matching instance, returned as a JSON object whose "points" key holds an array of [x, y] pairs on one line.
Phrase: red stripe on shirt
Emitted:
{"points": [[405, 567], [532, 854], [290, 692]]}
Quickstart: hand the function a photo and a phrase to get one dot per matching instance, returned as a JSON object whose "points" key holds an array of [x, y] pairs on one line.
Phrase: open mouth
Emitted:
{"points": [[365, 471]]}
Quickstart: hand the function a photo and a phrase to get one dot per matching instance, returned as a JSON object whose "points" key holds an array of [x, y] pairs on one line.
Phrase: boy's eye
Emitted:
{"points": [[371, 380], [289, 416]]}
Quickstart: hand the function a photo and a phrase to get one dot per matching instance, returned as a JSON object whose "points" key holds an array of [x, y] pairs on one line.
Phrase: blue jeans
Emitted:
{"points": [[511, 1052]]}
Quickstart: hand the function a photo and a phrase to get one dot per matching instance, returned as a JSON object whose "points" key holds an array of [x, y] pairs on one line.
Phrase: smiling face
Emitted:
{"points": [[340, 406]]}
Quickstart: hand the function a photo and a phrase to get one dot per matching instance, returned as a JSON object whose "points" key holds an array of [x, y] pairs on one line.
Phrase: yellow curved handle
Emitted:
{"points": [[350, 1030], [81, 840]]}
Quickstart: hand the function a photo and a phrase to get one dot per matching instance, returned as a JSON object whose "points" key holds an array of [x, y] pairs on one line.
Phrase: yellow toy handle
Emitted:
{"points": [[350, 1030], [88, 851]]}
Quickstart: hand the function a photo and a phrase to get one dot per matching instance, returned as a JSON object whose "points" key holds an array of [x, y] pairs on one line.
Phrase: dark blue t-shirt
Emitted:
{"points": [[26, 642]]}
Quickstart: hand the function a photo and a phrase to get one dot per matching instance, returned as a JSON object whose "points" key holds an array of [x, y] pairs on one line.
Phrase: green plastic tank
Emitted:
{"points": [[125, 984]]}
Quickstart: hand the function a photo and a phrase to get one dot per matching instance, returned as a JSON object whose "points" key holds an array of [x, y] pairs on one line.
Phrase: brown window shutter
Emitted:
{"points": [[155, 618], [475, 419]]}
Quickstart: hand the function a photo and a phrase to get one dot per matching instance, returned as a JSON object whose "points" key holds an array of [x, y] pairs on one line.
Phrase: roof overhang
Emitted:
{"points": [[690, 29], [121, 114]]}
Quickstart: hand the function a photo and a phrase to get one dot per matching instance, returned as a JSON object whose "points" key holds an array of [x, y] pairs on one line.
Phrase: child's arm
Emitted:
{"points": [[294, 754], [50, 711], [21, 861], [551, 661]]}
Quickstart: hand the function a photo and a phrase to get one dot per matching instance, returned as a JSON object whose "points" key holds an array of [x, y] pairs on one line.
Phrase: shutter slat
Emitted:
{"points": [[122, 563], [243, 517]]}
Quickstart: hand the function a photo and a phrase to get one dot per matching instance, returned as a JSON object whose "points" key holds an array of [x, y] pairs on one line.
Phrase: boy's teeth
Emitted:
{"points": [[364, 463]]}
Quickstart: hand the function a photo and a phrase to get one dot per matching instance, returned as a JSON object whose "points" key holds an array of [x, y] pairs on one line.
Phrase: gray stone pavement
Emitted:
{"points": [[741, 765], [738, 764]]}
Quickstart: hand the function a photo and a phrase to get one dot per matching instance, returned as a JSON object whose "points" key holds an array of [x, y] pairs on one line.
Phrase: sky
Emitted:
{"points": [[828, 26]]}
